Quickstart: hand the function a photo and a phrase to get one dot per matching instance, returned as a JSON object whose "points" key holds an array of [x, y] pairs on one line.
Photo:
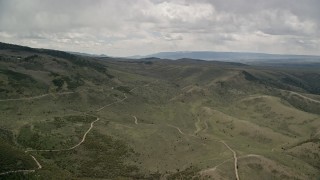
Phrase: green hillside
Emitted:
{"points": [[66, 116]]}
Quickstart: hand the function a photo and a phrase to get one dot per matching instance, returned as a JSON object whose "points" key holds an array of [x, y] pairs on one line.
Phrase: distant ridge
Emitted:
{"points": [[228, 56], [87, 54]]}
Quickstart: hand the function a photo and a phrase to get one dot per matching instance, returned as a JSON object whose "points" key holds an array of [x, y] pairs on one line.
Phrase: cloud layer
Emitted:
{"points": [[129, 27]]}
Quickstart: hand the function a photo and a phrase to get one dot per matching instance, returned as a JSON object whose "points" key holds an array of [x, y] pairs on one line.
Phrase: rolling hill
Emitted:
{"points": [[67, 116]]}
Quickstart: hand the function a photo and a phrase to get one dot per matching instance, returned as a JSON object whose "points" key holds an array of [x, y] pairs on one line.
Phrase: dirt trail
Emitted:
{"points": [[38, 97], [197, 125], [122, 125], [149, 83], [135, 119], [214, 168], [182, 93], [23, 170], [125, 97], [206, 171], [18, 171], [176, 128], [272, 150], [253, 97], [206, 126], [35, 160], [73, 147], [143, 85], [300, 95], [221, 141], [198, 129], [235, 159], [133, 89]]}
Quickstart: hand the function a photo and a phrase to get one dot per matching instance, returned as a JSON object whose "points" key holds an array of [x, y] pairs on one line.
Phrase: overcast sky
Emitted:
{"points": [[131, 27]]}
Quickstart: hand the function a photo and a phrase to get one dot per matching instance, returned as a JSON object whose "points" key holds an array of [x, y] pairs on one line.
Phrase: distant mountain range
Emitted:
{"points": [[87, 54], [229, 56]]}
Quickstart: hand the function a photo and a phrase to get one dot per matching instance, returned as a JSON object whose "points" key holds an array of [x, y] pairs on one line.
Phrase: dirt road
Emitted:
{"points": [[176, 128], [135, 119], [125, 97], [305, 97], [198, 129], [23, 170], [37, 97], [235, 159], [73, 147]]}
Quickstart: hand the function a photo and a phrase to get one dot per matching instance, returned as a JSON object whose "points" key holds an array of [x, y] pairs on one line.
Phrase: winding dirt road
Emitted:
{"points": [[221, 141], [198, 126], [51, 150], [199, 129], [73, 147], [56, 150]]}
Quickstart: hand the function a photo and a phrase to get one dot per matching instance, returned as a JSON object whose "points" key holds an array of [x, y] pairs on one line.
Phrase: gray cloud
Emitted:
{"points": [[131, 27]]}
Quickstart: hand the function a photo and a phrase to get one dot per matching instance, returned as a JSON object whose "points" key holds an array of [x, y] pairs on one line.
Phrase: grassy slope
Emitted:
{"points": [[183, 109]]}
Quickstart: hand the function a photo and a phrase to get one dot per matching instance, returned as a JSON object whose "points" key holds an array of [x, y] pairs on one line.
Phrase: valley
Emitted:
{"points": [[68, 116]]}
